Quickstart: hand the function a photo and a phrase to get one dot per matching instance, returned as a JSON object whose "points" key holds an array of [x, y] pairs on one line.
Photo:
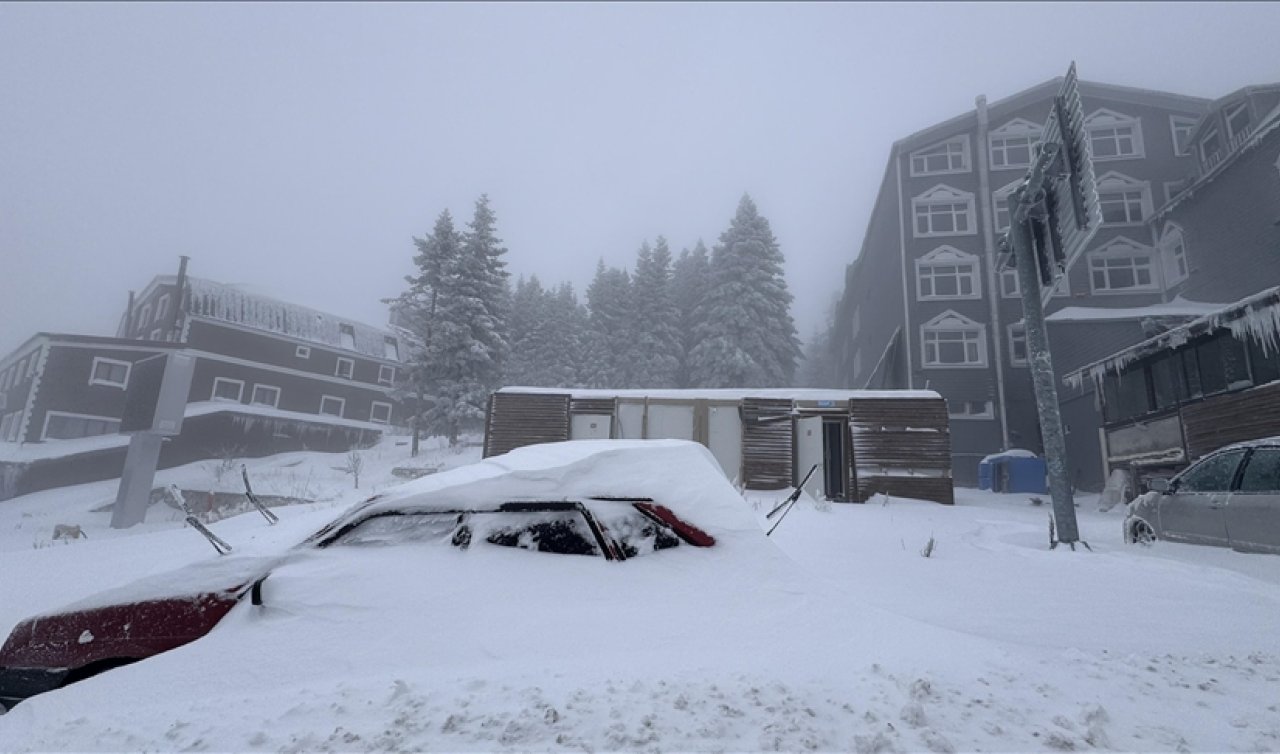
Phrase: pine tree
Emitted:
{"points": [[469, 339], [689, 280], [612, 341], [417, 310], [528, 318], [655, 318], [746, 337]]}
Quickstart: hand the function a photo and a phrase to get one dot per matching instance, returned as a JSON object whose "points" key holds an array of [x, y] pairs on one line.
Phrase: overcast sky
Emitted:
{"points": [[300, 147]]}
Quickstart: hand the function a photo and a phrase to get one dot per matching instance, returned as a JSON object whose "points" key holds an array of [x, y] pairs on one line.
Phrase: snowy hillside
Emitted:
{"points": [[836, 634]]}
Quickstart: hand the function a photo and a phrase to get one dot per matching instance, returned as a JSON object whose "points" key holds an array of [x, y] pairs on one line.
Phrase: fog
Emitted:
{"points": [[300, 147]]}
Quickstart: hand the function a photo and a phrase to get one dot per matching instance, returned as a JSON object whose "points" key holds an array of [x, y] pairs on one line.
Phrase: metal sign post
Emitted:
{"points": [[1053, 216], [154, 408]]}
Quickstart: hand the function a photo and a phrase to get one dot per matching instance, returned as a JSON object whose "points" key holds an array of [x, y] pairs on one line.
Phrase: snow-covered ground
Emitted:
{"points": [[836, 635]]}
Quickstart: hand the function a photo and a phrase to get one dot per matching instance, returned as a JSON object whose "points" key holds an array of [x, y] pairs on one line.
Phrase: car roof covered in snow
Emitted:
{"points": [[678, 474]]}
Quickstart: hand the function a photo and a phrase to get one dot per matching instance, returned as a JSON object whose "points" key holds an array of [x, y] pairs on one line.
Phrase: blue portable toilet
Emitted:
{"points": [[1013, 470]]}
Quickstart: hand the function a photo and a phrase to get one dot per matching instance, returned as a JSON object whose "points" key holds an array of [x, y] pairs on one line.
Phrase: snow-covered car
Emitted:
{"points": [[1229, 498], [599, 499]]}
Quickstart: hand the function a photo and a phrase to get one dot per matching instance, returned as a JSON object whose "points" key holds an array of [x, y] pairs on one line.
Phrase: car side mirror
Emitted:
{"points": [[1162, 486]]}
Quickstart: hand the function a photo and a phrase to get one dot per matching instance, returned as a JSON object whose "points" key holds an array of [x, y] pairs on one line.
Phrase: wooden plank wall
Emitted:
{"points": [[518, 419], [895, 436], [767, 443], [1234, 417]]}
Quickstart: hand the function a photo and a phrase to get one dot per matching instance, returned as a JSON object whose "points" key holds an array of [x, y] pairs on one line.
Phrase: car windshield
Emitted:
{"points": [[617, 530]]}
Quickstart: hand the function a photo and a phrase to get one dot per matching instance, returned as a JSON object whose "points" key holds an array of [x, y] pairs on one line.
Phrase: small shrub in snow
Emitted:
{"points": [[928, 547], [1037, 501], [355, 462]]}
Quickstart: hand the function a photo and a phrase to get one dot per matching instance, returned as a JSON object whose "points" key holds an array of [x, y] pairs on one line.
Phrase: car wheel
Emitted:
{"points": [[1140, 532]]}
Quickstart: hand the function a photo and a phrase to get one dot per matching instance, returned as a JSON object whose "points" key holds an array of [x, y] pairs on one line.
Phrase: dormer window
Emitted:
{"points": [[390, 348], [1211, 148], [1011, 144], [1237, 121], [1113, 136], [951, 156], [1182, 127], [347, 337], [1173, 253]]}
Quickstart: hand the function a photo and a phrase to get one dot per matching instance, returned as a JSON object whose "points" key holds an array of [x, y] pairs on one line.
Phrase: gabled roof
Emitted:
{"points": [[236, 305]]}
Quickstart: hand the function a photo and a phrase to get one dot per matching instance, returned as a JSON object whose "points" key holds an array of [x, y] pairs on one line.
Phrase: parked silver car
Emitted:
{"points": [[1229, 498]]}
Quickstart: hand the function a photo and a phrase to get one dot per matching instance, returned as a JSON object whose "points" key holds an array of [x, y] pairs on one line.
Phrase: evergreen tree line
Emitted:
{"points": [[710, 319]]}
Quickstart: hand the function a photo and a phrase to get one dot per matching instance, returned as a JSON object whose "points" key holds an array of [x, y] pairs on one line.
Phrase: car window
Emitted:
{"points": [[1262, 473], [636, 533], [1213, 474], [398, 528], [562, 532]]}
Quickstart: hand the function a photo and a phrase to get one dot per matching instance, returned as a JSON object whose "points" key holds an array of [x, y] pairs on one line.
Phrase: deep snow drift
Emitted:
{"points": [[834, 634]]}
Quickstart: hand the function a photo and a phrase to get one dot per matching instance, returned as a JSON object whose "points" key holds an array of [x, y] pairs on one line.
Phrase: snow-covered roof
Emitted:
{"points": [[1256, 317], [240, 305], [1010, 453], [727, 394], [1179, 307]]}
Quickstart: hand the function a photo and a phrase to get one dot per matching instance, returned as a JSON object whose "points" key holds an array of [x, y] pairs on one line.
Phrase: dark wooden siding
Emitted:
{"points": [[279, 351], [895, 435], [1235, 417], [64, 384], [297, 392], [768, 442], [518, 419]]}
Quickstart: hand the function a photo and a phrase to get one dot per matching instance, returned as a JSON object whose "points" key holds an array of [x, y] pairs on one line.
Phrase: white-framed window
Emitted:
{"points": [[943, 211], [332, 406], [1123, 200], [953, 340], [265, 395], [346, 368], [63, 425], [1018, 344], [1211, 148], [1238, 120], [1000, 204], [950, 156], [380, 412], [1113, 135], [109, 372], [1011, 285], [1011, 144], [145, 317], [391, 348], [162, 307], [31, 365], [347, 337], [225, 389], [1173, 254], [302, 352], [947, 273], [961, 409], [1122, 266], [386, 374], [1181, 126], [156, 333]]}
